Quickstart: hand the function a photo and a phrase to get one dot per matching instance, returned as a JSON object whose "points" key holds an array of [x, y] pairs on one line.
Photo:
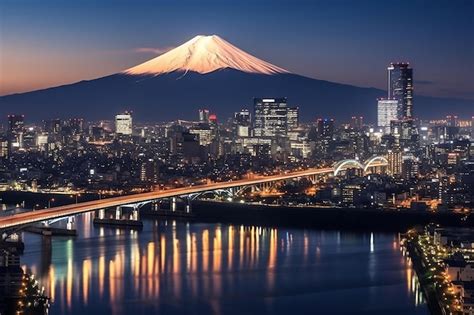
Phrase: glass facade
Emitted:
{"points": [[270, 117], [400, 88]]}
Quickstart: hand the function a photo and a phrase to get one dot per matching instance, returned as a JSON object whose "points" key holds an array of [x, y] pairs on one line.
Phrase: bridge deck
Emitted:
{"points": [[30, 217]]}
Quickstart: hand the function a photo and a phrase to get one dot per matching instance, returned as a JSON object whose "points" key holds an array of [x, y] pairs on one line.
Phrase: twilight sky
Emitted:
{"points": [[53, 42]]}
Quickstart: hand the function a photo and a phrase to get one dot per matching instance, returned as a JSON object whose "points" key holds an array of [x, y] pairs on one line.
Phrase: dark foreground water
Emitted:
{"points": [[195, 268]]}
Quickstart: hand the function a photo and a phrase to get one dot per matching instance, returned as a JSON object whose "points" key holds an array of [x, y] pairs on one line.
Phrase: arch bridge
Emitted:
{"points": [[373, 162], [19, 220]]}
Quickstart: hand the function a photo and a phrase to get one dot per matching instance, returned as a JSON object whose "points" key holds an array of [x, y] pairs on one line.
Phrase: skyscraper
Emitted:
{"points": [[15, 123], [204, 116], [123, 123], [270, 117], [325, 131], [325, 128], [293, 118], [357, 122], [242, 123], [400, 88], [387, 111], [394, 159]]}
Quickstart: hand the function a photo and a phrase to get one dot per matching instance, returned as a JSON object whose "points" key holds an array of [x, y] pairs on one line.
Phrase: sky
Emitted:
{"points": [[50, 42]]}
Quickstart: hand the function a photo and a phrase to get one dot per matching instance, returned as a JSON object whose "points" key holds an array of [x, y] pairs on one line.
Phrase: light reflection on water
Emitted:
{"points": [[194, 268]]}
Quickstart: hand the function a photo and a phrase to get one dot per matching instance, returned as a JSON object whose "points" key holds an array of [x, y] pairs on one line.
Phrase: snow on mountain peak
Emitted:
{"points": [[204, 54]]}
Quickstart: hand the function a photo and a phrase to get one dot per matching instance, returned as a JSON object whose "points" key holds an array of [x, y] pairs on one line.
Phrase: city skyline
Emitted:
{"points": [[446, 42], [266, 157]]}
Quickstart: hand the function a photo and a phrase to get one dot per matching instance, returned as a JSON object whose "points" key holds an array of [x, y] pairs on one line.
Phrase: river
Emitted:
{"points": [[175, 267]]}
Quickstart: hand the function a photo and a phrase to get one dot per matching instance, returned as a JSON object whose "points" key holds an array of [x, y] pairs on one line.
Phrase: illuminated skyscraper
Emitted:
{"points": [[242, 123], [293, 118], [270, 117], [400, 88], [16, 123], [325, 128], [387, 111], [123, 123], [357, 122], [394, 162], [204, 116]]}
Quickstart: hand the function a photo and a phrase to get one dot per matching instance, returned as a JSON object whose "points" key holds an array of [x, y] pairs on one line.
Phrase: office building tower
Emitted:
{"points": [[204, 116], [242, 123], [52, 125], [394, 159], [16, 126], [149, 171], [3, 147], [270, 117], [325, 133], [387, 111], [293, 118], [400, 88], [452, 121], [325, 128], [357, 122], [123, 123], [16, 123]]}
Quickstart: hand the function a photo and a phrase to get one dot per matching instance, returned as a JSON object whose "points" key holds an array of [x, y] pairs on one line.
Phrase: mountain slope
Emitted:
{"points": [[205, 54], [208, 72]]}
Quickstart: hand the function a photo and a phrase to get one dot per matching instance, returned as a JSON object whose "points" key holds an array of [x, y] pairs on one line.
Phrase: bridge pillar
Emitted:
{"points": [[173, 204], [101, 214], [135, 214], [188, 205], [118, 213], [70, 225]]}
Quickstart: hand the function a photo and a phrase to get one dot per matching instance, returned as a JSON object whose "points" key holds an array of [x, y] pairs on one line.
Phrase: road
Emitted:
{"points": [[18, 220]]}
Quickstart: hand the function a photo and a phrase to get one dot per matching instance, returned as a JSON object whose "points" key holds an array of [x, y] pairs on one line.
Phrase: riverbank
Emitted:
{"points": [[335, 218], [426, 281]]}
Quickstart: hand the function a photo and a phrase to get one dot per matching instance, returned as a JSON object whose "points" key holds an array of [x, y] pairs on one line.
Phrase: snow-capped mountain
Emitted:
{"points": [[209, 72], [205, 54]]}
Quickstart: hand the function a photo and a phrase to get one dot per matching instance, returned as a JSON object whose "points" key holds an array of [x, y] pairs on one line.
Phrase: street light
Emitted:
{"points": [[49, 202]]}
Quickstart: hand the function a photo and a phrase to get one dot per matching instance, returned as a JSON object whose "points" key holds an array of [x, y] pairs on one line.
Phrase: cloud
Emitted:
{"points": [[152, 50]]}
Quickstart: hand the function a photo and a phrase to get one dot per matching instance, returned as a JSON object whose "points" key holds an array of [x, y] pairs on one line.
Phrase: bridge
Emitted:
{"points": [[20, 220]]}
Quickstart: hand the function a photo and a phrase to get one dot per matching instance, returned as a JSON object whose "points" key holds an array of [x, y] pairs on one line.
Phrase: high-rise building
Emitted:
{"points": [[325, 133], [52, 125], [400, 88], [16, 123], [270, 117], [123, 123], [357, 122], [16, 126], [242, 123], [3, 147], [293, 118], [452, 121], [204, 116], [387, 111], [149, 171], [394, 159], [76, 125], [325, 128]]}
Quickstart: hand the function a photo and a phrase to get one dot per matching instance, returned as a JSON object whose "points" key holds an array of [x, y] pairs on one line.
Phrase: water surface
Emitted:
{"points": [[173, 267]]}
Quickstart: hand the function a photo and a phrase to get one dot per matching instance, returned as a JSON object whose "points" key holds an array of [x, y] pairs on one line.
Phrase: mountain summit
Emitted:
{"points": [[207, 71], [205, 54]]}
